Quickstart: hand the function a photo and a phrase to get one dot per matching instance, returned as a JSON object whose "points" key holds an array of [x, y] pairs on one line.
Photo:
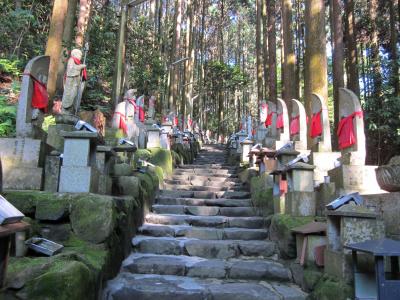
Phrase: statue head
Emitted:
{"points": [[76, 53], [129, 94]]}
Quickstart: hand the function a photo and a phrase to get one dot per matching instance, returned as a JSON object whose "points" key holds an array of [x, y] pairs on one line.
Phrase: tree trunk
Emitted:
{"points": [[221, 59], [338, 55], [83, 19], [271, 9], [54, 43], [352, 57], [259, 52], [289, 60], [315, 61], [265, 46], [393, 47], [376, 66]]}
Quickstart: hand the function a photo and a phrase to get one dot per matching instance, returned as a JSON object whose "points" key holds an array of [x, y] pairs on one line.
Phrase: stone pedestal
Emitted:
{"points": [[142, 136], [323, 162], [325, 194], [22, 161], [285, 156], [166, 131], [346, 225], [54, 138], [261, 134], [300, 199], [246, 147], [355, 178], [79, 173], [241, 137], [279, 196], [153, 138]]}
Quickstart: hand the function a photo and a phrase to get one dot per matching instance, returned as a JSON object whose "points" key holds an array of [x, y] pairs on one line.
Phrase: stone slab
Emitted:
{"points": [[78, 180]]}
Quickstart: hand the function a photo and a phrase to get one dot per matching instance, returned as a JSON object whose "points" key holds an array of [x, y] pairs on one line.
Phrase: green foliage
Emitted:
{"points": [[9, 67], [8, 115]]}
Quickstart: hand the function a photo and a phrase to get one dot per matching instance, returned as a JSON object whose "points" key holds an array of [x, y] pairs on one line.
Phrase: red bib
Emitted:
{"points": [[316, 125], [345, 130], [40, 98], [268, 122], [295, 125], [84, 71], [279, 121], [122, 122]]}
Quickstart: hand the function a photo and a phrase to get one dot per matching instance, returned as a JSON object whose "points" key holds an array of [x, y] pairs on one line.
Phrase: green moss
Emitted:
{"points": [[177, 159], [331, 289], [311, 278], [261, 193], [112, 136], [159, 173], [52, 209], [26, 201], [162, 158], [142, 154], [95, 255], [290, 222], [73, 278], [186, 154]]}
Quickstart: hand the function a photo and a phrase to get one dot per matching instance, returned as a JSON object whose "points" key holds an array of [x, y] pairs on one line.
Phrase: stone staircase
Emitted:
{"points": [[203, 241]]}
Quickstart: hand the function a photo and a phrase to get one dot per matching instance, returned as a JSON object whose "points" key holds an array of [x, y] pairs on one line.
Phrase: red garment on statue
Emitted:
{"points": [[316, 125], [279, 121], [141, 114], [40, 98], [295, 125], [283, 186], [176, 121], [345, 130], [268, 121], [122, 122], [84, 71]]}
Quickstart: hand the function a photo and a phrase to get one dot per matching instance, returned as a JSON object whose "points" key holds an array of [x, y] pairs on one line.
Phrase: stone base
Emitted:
{"points": [[54, 138], [325, 194], [78, 180], [279, 204], [324, 161], [352, 178], [339, 265], [105, 185], [273, 143], [22, 178], [300, 204]]}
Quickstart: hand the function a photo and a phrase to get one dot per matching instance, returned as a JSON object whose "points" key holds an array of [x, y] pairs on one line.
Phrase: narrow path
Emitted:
{"points": [[203, 241]]}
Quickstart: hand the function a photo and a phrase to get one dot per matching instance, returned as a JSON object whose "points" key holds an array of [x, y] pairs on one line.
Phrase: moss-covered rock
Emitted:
{"points": [[93, 217], [123, 169], [52, 208], [328, 288], [162, 158], [26, 201], [177, 159], [128, 185], [73, 278], [311, 278], [142, 154], [112, 136], [261, 193], [185, 153], [280, 231]]}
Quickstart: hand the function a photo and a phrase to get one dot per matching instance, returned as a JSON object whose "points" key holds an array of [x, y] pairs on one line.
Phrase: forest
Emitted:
{"points": [[215, 60]]}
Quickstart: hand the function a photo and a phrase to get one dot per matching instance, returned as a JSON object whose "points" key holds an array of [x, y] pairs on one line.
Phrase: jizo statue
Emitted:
{"points": [[72, 82], [263, 112], [152, 103]]}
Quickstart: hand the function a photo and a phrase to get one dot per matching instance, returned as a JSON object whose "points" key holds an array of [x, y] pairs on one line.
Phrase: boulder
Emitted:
{"points": [[128, 186], [162, 158], [52, 208], [93, 217]]}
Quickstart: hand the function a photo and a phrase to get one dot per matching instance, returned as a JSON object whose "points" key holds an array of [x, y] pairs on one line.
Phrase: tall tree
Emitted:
{"points": [[83, 20], [259, 58], [265, 46], [394, 28], [54, 42], [315, 61], [289, 57], [338, 54], [271, 10], [351, 44], [375, 60]]}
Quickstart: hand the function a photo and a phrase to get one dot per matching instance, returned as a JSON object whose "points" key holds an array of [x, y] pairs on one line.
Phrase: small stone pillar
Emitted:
{"points": [[298, 126], [79, 172], [153, 138], [104, 159], [300, 199], [279, 191], [241, 137], [52, 168], [246, 147], [285, 156], [347, 225]]}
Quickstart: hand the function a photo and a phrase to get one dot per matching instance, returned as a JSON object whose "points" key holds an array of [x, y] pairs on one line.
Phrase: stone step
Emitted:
{"points": [[211, 166], [165, 200], [206, 194], [181, 187], [212, 221], [166, 287], [205, 172], [191, 266], [205, 210], [205, 178], [221, 249], [204, 183], [203, 233]]}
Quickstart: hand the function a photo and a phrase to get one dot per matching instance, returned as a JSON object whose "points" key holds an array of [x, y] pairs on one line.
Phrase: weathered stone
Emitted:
{"points": [[52, 209], [202, 210], [245, 234], [257, 248], [128, 185], [93, 217], [157, 230], [205, 233], [78, 180], [259, 270], [169, 209], [237, 211], [289, 292], [241, 291], [211, 249], [163, 245], [52, 173], [208, 269], [55, 232], [123, 169], [163, 265]]}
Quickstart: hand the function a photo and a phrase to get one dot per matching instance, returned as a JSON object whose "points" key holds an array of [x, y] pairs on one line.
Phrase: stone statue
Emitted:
{"points": [[139, 117], [263, 113], [72, 82], [151, 113], [124, 115]]}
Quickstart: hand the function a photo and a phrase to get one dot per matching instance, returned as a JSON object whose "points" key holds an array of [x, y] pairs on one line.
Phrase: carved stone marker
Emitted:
{"points": [[351, 129], [29, 118], [79, 172], [298, 125], [320, 130], [279, 131]]}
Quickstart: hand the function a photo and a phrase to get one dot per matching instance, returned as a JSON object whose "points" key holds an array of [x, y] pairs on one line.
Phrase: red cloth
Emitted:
{"points": [[122, 122], [141, 114], [176, 121], [345, 130], [84, 71], [279, 121], [295, 125], [40, 97], [268, 122], [283, 186], [316, 125]]}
